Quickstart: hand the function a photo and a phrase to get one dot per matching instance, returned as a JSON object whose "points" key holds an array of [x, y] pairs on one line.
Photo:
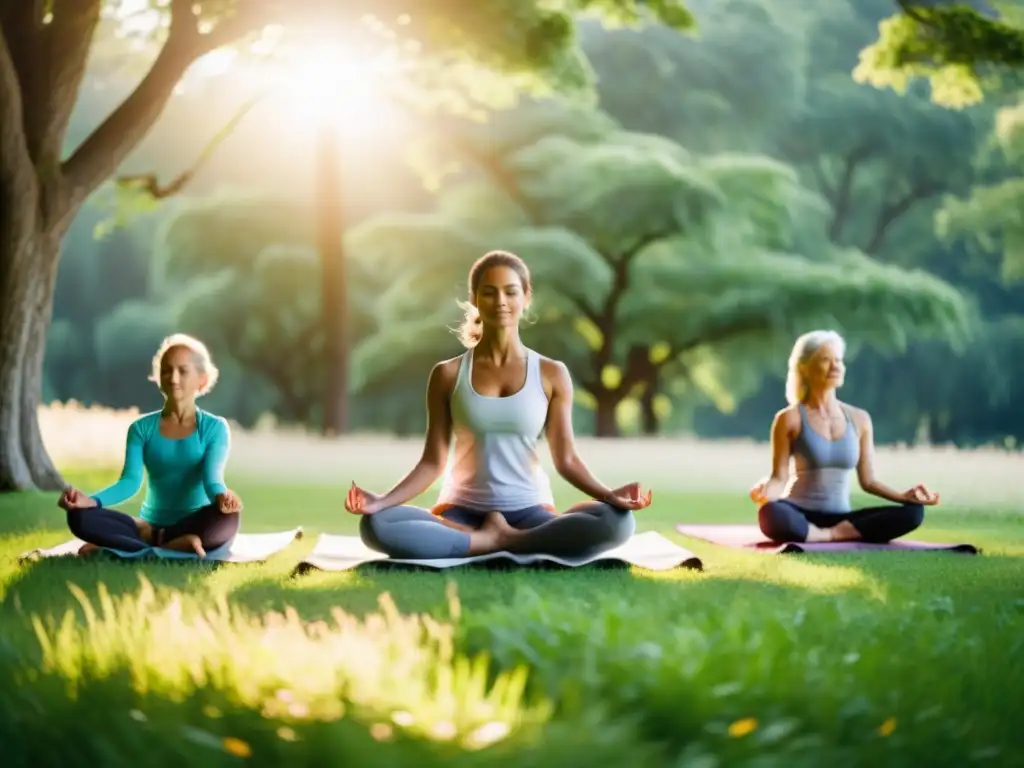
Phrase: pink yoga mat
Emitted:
{"points": [[750, 537]]}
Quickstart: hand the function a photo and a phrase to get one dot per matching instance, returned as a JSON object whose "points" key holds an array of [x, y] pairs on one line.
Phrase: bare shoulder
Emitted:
{"points": [[861, 418], [552, 369], [555, 375], [444, 373], [788, 418]]}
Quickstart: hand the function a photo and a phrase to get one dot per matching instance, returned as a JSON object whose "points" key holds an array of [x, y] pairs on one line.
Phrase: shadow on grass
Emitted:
{"points": [[780, 580]]}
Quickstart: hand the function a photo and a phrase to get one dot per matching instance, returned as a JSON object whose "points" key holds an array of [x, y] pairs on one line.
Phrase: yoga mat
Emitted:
{"points": [[750, 537], [649, 550], [244, 548]]}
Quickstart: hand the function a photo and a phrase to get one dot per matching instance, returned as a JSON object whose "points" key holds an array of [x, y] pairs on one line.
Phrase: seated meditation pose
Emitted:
{"points": [[827, 439], [496, 400], [183, 450]]}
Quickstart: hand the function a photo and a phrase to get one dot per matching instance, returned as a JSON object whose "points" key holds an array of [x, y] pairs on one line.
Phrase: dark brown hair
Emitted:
{"points": [[472, 327]]}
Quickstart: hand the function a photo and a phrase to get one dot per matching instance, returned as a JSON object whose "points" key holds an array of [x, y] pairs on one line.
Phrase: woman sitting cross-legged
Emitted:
{"points": [[496, 400], [827, 440], [183, 450]]}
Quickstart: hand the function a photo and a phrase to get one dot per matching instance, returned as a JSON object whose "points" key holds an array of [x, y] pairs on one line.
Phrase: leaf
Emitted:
{"points": [[992, 217], [950, 46]]}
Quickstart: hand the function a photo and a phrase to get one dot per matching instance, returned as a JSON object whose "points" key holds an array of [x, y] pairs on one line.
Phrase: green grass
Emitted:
{"points": [[796, 660]]}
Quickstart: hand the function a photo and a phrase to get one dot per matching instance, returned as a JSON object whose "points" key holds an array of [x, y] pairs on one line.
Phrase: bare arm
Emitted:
{"points": [[782, 441], [438, 438], [559, 433], [866, 465]]}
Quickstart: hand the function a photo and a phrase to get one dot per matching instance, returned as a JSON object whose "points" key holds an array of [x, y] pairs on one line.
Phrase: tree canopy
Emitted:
{"points": [[486, 49], [959, 46], [670, 253]]}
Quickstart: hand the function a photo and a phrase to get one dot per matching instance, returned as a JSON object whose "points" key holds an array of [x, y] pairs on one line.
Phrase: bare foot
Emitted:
{"points": [[87, 549], [197, 545], [187, 543], [493, 536], [843, 531], [145, 530]]}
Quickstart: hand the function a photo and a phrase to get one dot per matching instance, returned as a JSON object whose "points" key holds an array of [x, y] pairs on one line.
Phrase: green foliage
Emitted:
{"points": [[242, 275], [448, 57], [990, 218], [745, 67], [209, 235], [125, 340], [69, 362], [955, 48], [762, 91], [664, 249], [1009, 132]]}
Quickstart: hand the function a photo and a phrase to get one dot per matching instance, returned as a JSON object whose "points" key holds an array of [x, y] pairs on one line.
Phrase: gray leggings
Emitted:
{"points": [[586, 529]]}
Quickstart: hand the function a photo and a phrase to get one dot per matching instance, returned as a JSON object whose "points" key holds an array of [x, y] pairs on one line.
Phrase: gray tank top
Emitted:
{"points": [[495, 463], [823, 467]]}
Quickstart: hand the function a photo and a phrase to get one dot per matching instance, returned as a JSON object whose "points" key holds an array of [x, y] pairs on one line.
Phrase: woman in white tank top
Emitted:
{"points": [[488, 408]]}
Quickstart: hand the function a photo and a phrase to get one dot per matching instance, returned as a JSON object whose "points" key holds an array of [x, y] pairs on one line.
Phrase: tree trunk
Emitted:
{"points": [[335, 298], [605, 422], [15, 282], [27, 272], [649, 422], [45, 475]]}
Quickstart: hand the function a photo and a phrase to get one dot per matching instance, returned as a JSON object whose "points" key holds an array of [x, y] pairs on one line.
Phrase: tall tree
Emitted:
{"points": [[44, 50], [670, 255]]}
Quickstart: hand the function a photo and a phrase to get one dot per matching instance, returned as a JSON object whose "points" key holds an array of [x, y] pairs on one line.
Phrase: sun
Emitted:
{"points": [[331, 84]]}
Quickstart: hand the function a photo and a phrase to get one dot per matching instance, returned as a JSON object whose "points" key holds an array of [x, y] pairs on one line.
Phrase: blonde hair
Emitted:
{"points": [[471, 328], [803, 350], [201, 355]]}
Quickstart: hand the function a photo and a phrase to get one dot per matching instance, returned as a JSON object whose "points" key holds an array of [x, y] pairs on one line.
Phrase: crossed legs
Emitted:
{"points": [[585, 529], [784, 521], [205, 529]]}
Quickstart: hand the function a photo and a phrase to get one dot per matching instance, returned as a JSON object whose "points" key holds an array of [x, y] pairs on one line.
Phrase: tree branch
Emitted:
{"points": [[20, 24], [642, 242], [910, 11], [841, 203], [14, 157], [890, 211], [583, 307], [148, 182], [449, 132], [98, 157], [824, 185], [727, 330], [52, 76]]}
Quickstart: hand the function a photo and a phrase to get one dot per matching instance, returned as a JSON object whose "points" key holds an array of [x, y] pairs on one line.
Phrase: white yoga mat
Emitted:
{"points": [[649, 550], [244, 548]]}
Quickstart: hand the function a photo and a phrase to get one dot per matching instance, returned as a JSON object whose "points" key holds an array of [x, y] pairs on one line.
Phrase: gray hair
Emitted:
{"points": [[803, 350], [201, 355]]}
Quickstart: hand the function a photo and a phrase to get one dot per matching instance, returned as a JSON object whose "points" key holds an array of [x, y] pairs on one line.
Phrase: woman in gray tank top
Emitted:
{"points": [[488, 408], [827, 441]]}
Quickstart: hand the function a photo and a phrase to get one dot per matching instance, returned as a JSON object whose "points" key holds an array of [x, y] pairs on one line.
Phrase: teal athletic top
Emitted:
{"points": [[184, 475]]}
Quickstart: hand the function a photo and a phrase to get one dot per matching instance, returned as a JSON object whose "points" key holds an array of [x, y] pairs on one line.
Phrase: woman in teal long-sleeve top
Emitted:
{"points": [[183, 450]]}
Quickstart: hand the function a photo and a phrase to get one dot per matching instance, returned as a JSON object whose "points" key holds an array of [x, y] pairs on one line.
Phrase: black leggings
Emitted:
{"points": [[116, 530], [784, 521]]}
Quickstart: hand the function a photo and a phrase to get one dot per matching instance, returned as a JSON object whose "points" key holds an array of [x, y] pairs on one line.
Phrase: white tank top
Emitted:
{"points": [[495, 463]]}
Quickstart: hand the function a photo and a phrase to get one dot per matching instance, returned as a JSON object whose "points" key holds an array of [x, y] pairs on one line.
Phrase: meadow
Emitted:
{"points": [[758, 660]]}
